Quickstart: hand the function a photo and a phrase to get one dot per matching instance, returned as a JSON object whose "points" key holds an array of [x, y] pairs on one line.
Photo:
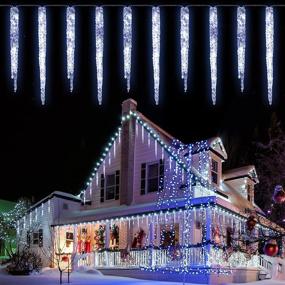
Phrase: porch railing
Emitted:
{"points": [[142, 258]]}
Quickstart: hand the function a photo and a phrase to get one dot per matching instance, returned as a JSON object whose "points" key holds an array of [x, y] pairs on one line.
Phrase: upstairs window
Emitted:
{"points": [[214, 171], [110, 186], [152, 176]]}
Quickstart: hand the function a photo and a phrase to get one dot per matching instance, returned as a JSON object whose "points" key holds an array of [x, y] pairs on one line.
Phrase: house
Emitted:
{"points": [[5, 206], [155, 204]]}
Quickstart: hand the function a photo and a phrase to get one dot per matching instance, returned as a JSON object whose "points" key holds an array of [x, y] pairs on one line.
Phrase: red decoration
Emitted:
{"points": [[251, 222], [88, 245], [64, 258], [271, 248], [138, 239], [279, 194]]}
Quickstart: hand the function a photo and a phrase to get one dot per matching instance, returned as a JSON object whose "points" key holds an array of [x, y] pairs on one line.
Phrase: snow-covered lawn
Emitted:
{"points": [[51, 277]]}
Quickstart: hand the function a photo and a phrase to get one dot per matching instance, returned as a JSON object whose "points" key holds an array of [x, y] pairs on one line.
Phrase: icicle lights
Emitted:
{"points": [[127, 31], [184, 42], [241, 43], [269, 38], [99, 34], [42, 33], [70, 44], [14, 44], [156, 50], [213, 30]]}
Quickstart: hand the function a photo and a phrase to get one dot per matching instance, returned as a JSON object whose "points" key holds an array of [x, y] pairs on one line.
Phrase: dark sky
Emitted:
{"points": [[53, 147]]}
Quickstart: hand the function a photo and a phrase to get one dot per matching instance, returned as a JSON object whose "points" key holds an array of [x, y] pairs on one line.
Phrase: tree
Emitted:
{"points": [[270, 165], [9, 222]]}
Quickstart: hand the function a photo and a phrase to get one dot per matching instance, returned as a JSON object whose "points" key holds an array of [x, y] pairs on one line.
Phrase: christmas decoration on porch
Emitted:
{"points": [[271, 248], [279, 194]]}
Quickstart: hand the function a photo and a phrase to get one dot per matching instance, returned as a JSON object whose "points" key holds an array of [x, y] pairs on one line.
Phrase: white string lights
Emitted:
{"points": [[127, 31], [213, 32], [70, 43], [42, 33], [14, 44], [156, 50], [241, 44], [99, 35], [127, 18], [269, 38], [184, 42]]}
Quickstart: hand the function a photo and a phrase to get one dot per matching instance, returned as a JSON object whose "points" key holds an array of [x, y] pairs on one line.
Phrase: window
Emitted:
{"points": [[65, 206], [36, 238], [214, 171], [152, 177], [110, 186]]}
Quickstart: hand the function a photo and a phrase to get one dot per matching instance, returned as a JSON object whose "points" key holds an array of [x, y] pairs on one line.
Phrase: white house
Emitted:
{"points": [[154, 204]]}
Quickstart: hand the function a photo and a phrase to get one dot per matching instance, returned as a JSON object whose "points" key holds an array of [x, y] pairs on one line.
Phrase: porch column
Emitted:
{"points": [[208, 235], [151, 240], [107, 243]]}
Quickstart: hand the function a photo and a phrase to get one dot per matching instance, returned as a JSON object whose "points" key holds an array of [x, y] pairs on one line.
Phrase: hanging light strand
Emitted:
{"points": [[42, 32], [184, 38], [213, 29], [156, 50], [241, 44], [14, 44], [99, 33], [70, 44], [269, 37], [127, 31]]}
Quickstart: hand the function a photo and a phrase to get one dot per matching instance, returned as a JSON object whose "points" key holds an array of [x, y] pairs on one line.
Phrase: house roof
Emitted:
{"points": [[245, 171], [58, 194]]}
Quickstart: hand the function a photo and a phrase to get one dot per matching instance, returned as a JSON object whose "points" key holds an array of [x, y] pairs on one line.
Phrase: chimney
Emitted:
{"points": [[127, 153]]}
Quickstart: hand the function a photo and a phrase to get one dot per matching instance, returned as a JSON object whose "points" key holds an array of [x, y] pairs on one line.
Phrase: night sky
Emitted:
{"points": [[54, 147]]}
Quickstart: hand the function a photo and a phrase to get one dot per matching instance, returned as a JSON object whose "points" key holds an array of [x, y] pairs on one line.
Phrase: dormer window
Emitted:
{"points": [[214, 171]]}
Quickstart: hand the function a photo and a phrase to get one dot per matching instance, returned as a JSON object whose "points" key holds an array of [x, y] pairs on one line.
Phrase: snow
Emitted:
{"points": [[87, 276]]}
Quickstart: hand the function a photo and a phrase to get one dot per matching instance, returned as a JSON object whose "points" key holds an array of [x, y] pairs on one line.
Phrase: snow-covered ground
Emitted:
{"points": [[51, 277]]}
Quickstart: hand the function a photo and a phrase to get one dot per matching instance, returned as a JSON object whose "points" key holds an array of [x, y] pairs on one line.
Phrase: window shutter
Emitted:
{"points": [[102, 190], [143, 178], [40, 238], [117, 191], [161, 175]]}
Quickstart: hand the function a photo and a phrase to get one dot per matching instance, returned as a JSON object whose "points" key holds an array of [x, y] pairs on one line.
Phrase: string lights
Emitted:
{"points": [[156, 51], [70, 43], [99, 34], [42, 34], [14, 44], [184, 42], [241, 44], [127, 36], [213, 32], [269, 38]]}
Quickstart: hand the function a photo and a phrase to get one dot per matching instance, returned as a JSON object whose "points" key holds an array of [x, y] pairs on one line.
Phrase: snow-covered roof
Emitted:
{"points": [[245, 171], [59, 194]]}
